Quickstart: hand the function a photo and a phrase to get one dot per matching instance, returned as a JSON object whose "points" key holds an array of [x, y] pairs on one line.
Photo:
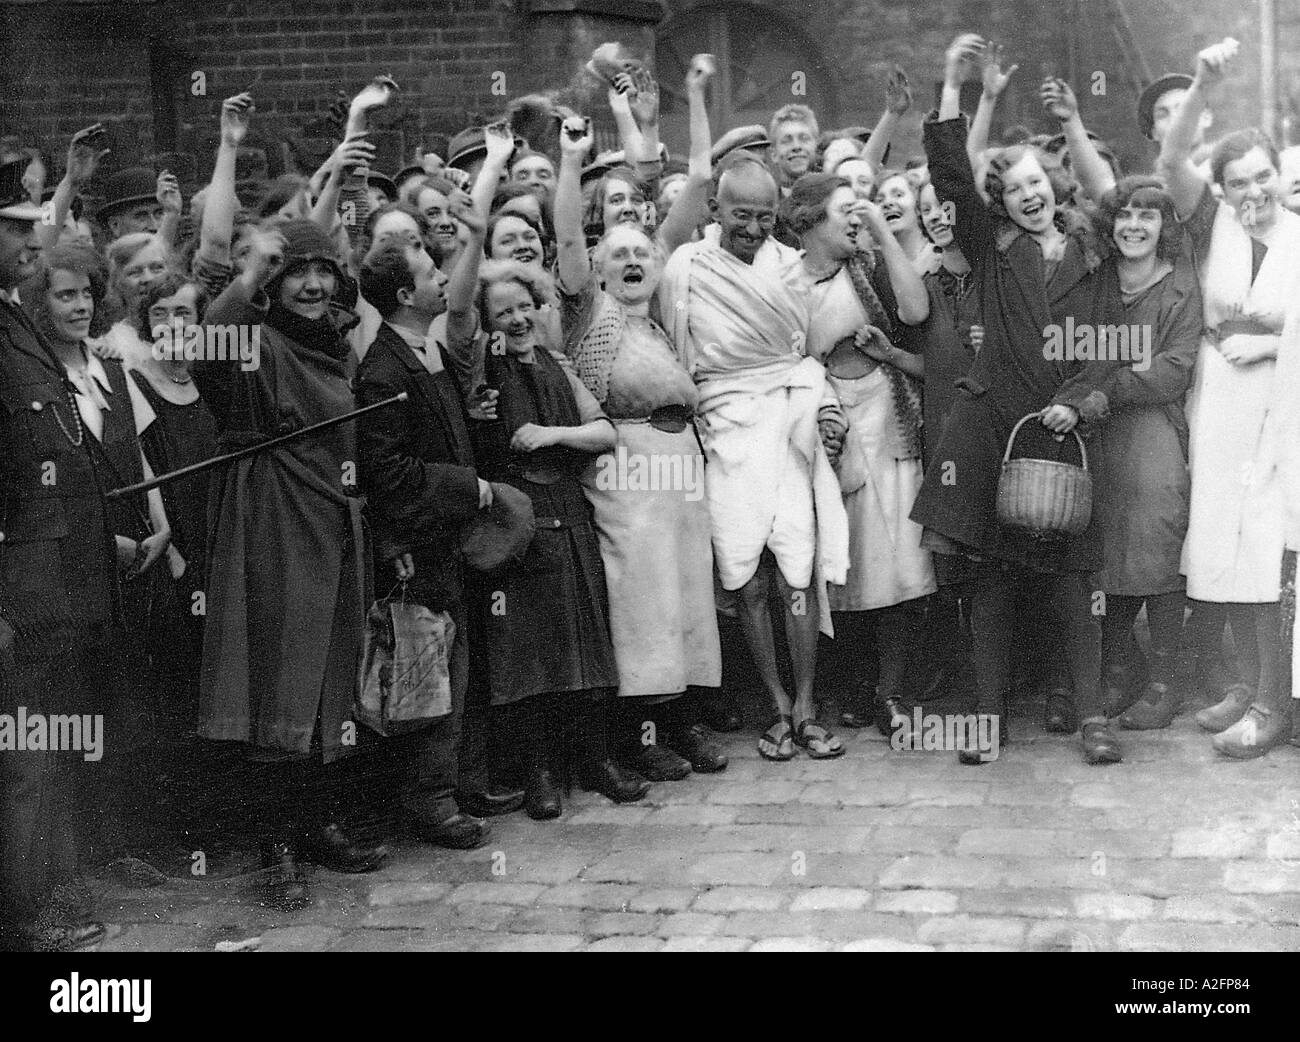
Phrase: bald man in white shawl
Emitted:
{"points": [[765, 408]]}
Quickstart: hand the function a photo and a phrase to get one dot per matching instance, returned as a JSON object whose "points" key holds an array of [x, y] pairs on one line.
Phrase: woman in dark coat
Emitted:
{"points": [[288, 578], [547, 643], [1034, 268]]}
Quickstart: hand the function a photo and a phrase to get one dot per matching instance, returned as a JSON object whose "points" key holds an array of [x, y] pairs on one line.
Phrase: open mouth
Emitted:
{"points": [[1033, 208], [629, 218], [634, 277], [524, 256]]}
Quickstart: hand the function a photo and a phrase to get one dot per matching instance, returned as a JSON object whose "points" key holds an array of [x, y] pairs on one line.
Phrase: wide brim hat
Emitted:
{"points": [[382, 181], [127, 188], [304, 240], [501, 534], [1148, 98], [15, 201], [471, 144]]}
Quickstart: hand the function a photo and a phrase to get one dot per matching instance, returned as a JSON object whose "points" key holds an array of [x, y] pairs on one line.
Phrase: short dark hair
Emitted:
{"points": [[421, 224], [81, 260], [169, 285], [1003, 159], [500, 216], [1235, 145], [805, 207], [1145, 192], [384, 273]]}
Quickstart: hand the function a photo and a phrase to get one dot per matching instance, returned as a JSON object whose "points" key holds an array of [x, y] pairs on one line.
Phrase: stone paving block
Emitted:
{"points": [[690, 924], [663, 900], [964, 929], [1114, 906], [299, 939], [142, 937], [835, 926], [414, 941], [917, 902], [739, 899], [384, 894], [611, 814], [791, 944], [1167, 936], [497, 893], [692, 814], [540, 942], [1261, 877], [749, 793], [1028, 904], [1071, 936], [1284, 845], [1235, 908], [835, 793], [851, 870], [552, 919], [884, 944], [932, 793], [705, 944], [626, 944], [805, 813], [1035, 793], [939, 873], [468, 916], [830, 899], [742, 869], [1215, 843], [1027, 842], [641, 866], [610, 924], [598, 896], [899, 839]]}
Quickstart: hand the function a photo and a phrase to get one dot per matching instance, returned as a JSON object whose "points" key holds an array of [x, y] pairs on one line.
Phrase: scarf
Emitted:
{"points": [[904, 388], [323, 335], [536, 392]]}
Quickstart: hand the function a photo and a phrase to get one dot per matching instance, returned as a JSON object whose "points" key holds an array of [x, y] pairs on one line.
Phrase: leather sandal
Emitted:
{"points": [[781, 735], [810, 734]]}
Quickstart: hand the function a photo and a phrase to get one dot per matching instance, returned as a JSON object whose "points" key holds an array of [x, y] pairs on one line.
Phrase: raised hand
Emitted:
{"points": [[235, 115], [461, 207], [265, 256], [703, 67], [962, 56], [873, 343], [355, 151], [1058, 99], [375, 94], [898, 92], [84, 154], [168, 192], [1212, 63], [995, 80], [575, 136], [644, 102], [500, 141], [872, 219]]}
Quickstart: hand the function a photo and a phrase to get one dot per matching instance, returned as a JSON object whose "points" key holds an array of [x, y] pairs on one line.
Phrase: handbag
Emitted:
{"points": [[404, 679]]}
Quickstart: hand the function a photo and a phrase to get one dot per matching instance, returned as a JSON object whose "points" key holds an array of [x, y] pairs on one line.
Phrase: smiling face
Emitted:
{"points": [[838, 151], [20, 249], [513, 238], [307, 287], [511, 311], [444, 228], [536, 174], [629, 269], [898, 204], [144, 269], [1252, 183], [70, 305], [624, 203], [837, 234], [859, 174], [179, 311], [1027, 195], [935, 218], [428, 297], [745, 209], [793, 149], [395, 226], [1136, 233]]}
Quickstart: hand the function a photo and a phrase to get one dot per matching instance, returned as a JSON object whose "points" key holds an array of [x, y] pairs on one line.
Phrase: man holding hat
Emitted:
{"points": [[58, 604]]}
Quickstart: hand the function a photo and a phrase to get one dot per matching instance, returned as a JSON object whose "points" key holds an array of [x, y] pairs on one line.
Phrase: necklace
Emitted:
{"points": [[175, 380], [822, 274], [76, 419]]}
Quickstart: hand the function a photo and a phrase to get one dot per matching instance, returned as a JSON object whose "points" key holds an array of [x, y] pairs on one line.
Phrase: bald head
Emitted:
{"points": [[744, 205]]}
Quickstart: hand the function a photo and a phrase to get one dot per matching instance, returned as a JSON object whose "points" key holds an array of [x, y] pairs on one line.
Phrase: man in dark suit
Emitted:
{"points": [[421, 486], [58, 605]]}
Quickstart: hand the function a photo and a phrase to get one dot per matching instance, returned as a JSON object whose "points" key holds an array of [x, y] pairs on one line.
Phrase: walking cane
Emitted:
{"points": [[249, 450]]}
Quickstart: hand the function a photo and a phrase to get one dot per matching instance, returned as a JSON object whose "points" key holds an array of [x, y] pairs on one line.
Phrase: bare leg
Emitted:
{"points": [[756, 624], [799, 609]]}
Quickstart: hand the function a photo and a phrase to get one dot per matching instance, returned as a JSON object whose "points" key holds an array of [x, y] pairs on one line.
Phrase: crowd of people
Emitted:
{"points": [[703, 413]]}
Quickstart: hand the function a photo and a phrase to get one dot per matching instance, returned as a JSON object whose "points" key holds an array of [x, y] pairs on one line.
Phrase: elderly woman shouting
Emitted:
{"points": [[655, 538]]}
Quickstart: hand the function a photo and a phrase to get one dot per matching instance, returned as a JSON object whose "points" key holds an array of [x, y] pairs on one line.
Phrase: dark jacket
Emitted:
{"points": [[417, 469], [1013, 375], [58, 571]]}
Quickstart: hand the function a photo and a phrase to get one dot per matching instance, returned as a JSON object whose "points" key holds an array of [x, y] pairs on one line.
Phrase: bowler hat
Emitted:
{"points": [[15, 201], [1147, 100], [499, 535], [471, 144], [127, 188]]}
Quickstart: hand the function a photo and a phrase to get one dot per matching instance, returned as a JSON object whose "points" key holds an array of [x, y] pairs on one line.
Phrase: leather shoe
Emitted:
{"points": [[491, 803], [722, 717], [542, 797], [702, 752], [1059, 714], [285, 882], [459, 832], [1100, 744], [613, 782], [658, 763], [332, 848]]}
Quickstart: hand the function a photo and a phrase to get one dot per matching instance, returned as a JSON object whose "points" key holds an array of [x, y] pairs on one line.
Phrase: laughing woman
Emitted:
{"points": [[656, 543], [1140, 458], [1248, 251], [1034, 267]]}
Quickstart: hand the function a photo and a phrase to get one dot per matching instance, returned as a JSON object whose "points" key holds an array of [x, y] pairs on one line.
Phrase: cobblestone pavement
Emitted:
{"points": [[1175, 849]]}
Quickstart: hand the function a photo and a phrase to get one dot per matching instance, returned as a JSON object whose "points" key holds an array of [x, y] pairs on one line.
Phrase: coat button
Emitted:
{"points": [[2, 537], [37, 406]]}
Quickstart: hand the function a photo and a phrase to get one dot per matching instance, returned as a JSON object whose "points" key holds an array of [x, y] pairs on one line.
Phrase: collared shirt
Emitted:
{"points": [[425, 348], [94, 395]]}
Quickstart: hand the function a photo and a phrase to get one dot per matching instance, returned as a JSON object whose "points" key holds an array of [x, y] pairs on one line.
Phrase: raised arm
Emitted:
{"points": [[945, 149], [898, 99], [168, 194], [913, 301], [353, 155], [1175, 163], [1094, 173], [219, 202], [629, 134], [995, 82], [84, 155], [644, 103], [571, 243], [692, 206], [958, 61], [462, 320], [500, 143]]}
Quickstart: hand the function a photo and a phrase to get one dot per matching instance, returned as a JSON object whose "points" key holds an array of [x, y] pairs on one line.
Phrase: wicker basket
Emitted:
{"points": [[1043, 497]]}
